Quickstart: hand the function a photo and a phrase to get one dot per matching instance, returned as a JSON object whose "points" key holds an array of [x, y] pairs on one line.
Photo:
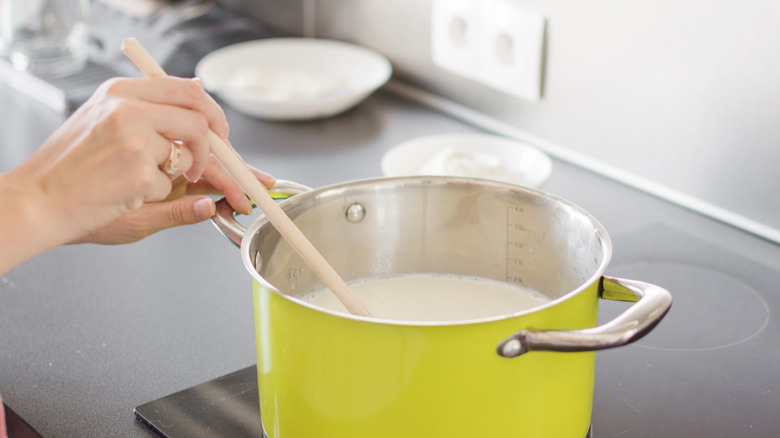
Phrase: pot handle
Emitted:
{"points": [[652, 303], [225, 217]]}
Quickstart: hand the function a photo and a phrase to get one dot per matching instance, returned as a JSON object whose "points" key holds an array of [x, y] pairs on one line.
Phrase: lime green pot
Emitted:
{"points": [[522, 374]]}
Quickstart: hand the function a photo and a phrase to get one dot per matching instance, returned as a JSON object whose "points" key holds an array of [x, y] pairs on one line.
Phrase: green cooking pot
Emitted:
{"points": [[526, 373]]}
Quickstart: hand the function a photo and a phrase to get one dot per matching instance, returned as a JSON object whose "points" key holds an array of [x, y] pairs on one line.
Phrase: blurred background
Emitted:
{"points": [[681, 96]]}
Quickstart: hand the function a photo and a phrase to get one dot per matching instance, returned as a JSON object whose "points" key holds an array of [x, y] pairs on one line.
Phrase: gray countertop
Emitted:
{"points": [[89, 332]]}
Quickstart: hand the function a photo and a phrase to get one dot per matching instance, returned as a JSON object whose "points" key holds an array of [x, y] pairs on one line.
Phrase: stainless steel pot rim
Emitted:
{"points": [[401, 181]]}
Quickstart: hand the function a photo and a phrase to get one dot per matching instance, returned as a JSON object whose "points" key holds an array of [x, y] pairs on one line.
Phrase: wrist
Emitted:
{"points": [[26, 227]]}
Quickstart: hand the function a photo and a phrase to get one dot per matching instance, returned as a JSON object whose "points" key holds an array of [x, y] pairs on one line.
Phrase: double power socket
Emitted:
{"points": [[495, 42]]}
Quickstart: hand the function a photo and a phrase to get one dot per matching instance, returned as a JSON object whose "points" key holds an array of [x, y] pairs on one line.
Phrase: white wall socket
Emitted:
{"points": [[455, 35], [495, 42]]}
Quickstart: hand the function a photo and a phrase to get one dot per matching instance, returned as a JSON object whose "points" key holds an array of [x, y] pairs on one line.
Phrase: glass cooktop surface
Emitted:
{"points": [[227, 406]]}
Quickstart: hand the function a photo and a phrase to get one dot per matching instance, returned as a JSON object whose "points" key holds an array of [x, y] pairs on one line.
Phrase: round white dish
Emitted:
{"points": [[470, 155], [293, 78]]}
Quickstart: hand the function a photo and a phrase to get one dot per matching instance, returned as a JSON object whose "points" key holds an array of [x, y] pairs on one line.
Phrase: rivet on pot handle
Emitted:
{"points": [[225, 217], [652, 303]]}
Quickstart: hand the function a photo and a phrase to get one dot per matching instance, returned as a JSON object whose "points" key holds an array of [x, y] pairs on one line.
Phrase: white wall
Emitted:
{"points": [[685, 93]]}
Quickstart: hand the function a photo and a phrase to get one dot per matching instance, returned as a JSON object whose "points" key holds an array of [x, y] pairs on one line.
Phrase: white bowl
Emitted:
{"points": [[470, 155], [293, 78]]}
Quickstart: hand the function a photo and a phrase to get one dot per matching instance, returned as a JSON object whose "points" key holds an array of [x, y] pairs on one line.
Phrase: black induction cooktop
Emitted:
{"points": [[227, 406], [16, 426]]}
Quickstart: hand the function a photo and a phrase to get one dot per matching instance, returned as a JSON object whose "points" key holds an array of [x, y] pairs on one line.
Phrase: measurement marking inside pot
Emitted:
{"points": [[515, 243]]}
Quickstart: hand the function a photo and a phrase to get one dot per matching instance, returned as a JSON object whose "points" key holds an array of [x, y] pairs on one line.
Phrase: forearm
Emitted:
{"points": [[26, 227]]}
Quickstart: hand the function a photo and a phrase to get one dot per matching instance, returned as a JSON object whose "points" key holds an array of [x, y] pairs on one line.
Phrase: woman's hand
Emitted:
{"points": [[187, 204], [104, 162]]}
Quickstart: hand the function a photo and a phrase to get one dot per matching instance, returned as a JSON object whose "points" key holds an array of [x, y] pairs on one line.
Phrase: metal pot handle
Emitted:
{"points": [[225, 217], [652, 303]]}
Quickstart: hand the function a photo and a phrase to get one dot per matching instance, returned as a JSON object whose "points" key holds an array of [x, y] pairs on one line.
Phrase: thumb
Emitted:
{"points": [[151, 218], [183, 211]]}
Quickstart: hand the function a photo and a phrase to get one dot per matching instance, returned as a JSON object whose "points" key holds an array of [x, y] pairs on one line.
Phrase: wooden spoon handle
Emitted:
{"points": [[235, 166]]}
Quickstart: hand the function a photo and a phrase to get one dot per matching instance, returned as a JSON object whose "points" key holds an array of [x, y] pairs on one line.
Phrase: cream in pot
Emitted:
{"points": [[429, 297]]}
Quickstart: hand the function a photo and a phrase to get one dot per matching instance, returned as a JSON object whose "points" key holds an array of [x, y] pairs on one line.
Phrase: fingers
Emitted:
{"points": [[180, 92], [178, 160], [176, 109], [108, 158], [223, 183], [151, 218], [216, 175], [142, 117], [183, 211], [189, 129], [214, 113], [265, 178], [178, 208]]}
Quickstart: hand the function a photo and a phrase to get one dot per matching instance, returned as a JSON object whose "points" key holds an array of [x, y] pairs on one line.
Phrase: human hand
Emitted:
{"points": [[103, 162], [187, 204]]}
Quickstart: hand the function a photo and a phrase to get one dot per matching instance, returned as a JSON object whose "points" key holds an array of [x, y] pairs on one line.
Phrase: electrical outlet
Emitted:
{"points": [[495, 42], [511, 49], [455, 35]]}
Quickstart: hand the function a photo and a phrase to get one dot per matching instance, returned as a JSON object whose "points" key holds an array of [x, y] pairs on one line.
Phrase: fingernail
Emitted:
{"points": [[246, 208], [198, 81], [204, 208]]}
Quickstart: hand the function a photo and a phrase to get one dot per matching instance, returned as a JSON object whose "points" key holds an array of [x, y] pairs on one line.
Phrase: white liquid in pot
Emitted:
{"points": [[428, 297]]}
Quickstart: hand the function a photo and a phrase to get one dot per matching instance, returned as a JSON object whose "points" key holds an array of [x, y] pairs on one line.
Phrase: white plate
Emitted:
{"points": [[293, 78], [470, 155]]}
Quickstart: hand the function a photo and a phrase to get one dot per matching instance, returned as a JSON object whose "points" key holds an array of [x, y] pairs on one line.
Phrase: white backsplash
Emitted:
{"points": [[683, 94]]}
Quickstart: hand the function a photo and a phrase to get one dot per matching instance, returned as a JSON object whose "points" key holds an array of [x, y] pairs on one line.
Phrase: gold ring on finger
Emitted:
{"points": [[171, 165]]}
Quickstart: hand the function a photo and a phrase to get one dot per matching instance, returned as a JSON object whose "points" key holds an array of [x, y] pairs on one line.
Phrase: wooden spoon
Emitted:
{"points": [[258, 193]]}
